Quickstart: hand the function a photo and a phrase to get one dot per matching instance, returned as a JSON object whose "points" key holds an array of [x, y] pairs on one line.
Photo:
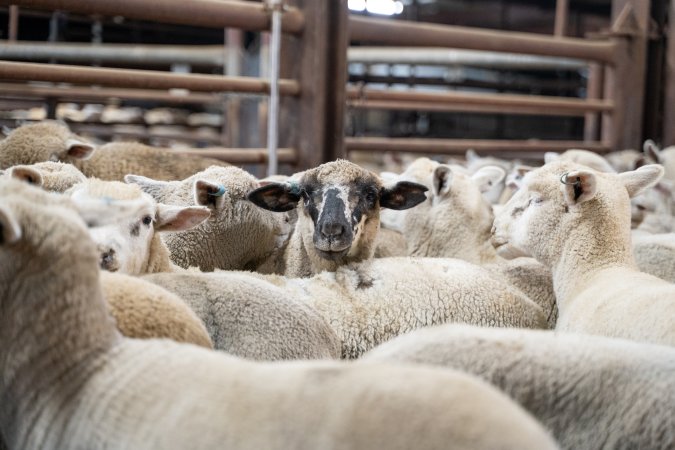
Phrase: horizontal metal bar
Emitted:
{"points": [[199, 55], [78, 94], [460, 107], [469, 101], [243, 155], [420, 34], [142, 79], [459, 146], [251, 16], [453, 57]]}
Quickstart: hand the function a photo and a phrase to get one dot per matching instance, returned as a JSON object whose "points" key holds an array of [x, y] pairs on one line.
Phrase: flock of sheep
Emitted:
{"points": [[487, 306]]}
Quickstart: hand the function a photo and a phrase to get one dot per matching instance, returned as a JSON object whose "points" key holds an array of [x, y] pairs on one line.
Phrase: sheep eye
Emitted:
{"points": [[147, 220]]}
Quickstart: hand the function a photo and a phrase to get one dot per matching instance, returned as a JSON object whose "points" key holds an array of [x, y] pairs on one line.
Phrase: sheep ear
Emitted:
{"points": [[402, 195], [277, 197], [441, 180], [488, 176], [579, 186], [10, 231], [147, 185], [6, 130], [78, 149], [207, 192], [550, 157], [471, 155], [177, 218], [28, 174], [639, 180], [650, 149]]}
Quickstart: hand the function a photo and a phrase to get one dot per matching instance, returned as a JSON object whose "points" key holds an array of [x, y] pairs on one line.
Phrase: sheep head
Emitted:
{"points": [[339, 204], [44, 141], [564, 201]]}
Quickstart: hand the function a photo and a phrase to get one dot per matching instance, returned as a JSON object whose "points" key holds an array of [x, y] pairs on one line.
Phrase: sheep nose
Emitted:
{"points": [[108, 259], [332, 229]]}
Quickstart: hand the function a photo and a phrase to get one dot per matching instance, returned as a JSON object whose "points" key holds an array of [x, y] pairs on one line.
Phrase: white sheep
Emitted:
{"points": [[665, 157], [51, 176], [369, 303], [577, 221], [655, 254], [134, 246], [339, 214], [651, 219], [245, 317], [625, 160], [364, 303], [455, 222], [238, 235], [592, 392], [493, 193], [71, 381], [252, 318], [53, 141], [583, 157]]}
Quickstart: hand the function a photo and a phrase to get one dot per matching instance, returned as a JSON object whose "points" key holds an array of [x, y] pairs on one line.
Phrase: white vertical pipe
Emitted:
{"points": [[273, 114]]}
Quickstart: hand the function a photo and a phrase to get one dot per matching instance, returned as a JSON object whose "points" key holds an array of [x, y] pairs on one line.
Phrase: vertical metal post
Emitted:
{"points": [[625, 80], [561, 17], [669, 102], [13, 25], [273, 119], [313, 122], [593, 91], [231, 130]]}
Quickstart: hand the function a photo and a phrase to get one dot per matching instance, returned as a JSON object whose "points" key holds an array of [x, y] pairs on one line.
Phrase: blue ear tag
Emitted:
{"points": [[219, 193], [294, 188]]}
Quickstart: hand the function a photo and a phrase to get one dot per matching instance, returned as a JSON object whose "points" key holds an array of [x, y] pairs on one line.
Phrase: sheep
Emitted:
{"points": [[70, 380], [248, 318], [591, 392], [238, 234], [474, 163], [577, 221], [625, 160], [389, 243], [583, 157], [665, 157], [252, 318], [230, 303], [455, 222], [655, 254], [369, 303], [144, 310], [339, 216], [51, 176], [651, 215], [134, 246], [53, 141]]}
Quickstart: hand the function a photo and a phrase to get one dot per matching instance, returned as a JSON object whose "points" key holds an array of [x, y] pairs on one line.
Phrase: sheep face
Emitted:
{"points": [[562, 197], [127, 246], [44, 141], [32, 221], [339, 205]]}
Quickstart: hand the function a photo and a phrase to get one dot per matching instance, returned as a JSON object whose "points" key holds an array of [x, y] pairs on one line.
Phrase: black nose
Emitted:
{"points": [[332, 229], [107, 259]]}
